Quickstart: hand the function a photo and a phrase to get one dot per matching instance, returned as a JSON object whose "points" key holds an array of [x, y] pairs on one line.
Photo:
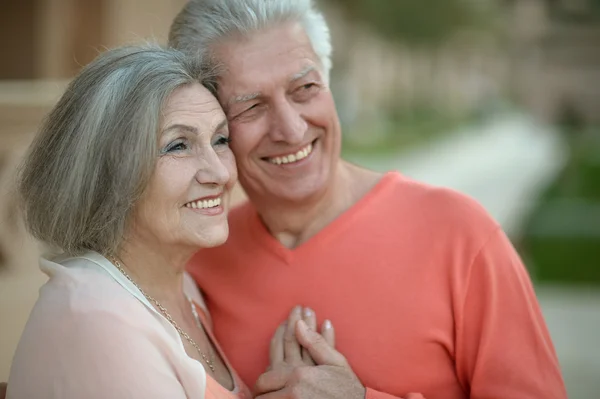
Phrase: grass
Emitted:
{"points": [[564, 259], [570, 255], [397, 133]]}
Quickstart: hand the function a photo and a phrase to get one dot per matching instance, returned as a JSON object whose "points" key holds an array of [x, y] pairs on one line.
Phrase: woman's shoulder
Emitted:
{"points": [[80, 286], [78, 296], [87, 334]]}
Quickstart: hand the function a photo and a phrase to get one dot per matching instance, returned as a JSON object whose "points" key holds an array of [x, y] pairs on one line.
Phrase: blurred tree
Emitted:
{"points": [[417, 21]]}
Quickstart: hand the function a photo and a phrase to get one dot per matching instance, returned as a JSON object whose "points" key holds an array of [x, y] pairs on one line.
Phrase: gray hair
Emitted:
{"points": [[96, 150], [202, 23]]}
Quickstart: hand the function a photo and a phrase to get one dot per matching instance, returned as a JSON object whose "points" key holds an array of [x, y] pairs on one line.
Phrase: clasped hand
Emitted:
{"points": [[304, 363]]}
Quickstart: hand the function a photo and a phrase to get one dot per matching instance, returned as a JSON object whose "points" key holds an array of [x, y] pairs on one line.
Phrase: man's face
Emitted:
{"points": [[284, 126]]}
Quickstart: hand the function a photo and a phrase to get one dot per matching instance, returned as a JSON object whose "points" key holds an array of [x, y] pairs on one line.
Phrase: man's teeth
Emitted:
{"points": [[204, 204], [303, 153]]}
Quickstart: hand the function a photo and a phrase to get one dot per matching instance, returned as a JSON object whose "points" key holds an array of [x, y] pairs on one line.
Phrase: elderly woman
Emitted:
{"points": [[129, 176]]}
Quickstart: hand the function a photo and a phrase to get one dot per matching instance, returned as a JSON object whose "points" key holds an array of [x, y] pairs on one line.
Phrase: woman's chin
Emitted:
{"points": [[213, 237]]}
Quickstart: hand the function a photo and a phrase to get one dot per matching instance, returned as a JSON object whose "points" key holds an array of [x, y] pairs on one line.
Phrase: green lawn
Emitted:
{"points": [[397, 133], [562, 241]]}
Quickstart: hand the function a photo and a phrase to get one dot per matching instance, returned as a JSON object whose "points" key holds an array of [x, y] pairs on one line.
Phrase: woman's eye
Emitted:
{"points": [[175, 147], [222, 140]]}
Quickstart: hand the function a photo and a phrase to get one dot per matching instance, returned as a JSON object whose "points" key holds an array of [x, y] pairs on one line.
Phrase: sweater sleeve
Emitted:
{"points": [[503, 347]]}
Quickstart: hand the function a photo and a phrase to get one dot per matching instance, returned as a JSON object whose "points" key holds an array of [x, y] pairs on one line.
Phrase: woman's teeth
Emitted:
{"points": [[291, 158], [204, 204]]}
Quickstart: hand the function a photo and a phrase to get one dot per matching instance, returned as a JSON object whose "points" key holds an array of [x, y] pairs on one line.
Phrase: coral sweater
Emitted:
{"points": [[426, 293]]}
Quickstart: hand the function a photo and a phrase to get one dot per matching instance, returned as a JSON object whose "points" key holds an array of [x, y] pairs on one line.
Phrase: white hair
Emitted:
{"points": [[202, 23]]}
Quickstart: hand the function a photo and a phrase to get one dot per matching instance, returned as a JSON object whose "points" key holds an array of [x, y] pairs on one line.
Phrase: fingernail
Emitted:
{"points": [[298, 310], [308, 312], [327, 325]]}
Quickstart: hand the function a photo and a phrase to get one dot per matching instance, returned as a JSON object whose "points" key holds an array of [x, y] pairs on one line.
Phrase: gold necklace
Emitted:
{"points": [[164, 311]]}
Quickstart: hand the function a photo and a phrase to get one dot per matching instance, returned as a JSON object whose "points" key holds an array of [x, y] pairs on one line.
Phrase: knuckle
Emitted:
{"points": [[301, 373], [262, 381], [318, 338], [289, 339]]}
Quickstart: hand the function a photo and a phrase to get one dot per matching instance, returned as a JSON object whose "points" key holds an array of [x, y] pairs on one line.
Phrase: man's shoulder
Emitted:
{"points": [[438, 206]]}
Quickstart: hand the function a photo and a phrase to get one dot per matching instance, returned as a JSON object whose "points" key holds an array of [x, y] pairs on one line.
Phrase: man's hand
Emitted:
{"points": [[331, 378]]}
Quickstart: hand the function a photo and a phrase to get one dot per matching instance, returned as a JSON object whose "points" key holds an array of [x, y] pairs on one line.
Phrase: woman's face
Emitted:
{"points": [[187, 200]]}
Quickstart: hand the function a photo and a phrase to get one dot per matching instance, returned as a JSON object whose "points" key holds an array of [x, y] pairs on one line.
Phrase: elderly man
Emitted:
{"points": [[426, 293]]}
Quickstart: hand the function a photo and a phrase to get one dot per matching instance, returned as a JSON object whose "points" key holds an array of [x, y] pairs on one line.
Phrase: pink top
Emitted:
{"points": [[426, 293], [92, 334]]}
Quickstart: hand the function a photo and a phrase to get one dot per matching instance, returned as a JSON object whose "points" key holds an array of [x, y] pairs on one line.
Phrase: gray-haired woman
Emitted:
{"points": [[130, 175]]}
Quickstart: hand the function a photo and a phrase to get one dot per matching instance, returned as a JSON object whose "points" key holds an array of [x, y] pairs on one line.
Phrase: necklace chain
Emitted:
{"points": [[165, 313]]}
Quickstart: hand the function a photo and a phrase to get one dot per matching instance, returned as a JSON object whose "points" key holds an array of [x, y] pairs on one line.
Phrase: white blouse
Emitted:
{"points": [[92, 334]]}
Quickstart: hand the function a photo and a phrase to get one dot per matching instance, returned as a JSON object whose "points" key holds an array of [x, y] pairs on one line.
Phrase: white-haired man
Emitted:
{"points": [[427, 295]]}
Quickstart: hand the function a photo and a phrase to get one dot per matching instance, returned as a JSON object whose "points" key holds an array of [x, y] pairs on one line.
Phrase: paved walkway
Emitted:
{"points": [[505, 165]]}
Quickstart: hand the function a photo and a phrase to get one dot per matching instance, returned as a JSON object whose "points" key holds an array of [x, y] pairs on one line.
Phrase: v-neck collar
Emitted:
{"points": [[263, 237]]}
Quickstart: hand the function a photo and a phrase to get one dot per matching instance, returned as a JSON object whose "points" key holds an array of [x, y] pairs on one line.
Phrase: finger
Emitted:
{"points": [[283, 394], [319, 349], [309, 317], [276, 347], [291, 348], [328, 333], [273, 380]]}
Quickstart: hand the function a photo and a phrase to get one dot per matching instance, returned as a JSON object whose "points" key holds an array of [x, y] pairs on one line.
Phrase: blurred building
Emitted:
{"points": [[556, 57]]}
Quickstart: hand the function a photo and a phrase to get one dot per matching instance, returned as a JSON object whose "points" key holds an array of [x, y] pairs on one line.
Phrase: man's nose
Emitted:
{"points": [[288, 124]]}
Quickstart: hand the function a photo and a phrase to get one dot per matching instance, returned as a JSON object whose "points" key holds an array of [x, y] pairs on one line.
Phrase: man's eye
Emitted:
{"points": [[249, 112], [253, 107], [306, 91]]}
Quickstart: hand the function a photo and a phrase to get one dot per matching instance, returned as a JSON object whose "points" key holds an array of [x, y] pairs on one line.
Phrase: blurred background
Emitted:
{"points": [[499, 99]]}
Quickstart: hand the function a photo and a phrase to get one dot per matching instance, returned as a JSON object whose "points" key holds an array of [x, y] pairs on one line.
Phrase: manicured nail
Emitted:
{"points": [[327, 325], [308, 312], [297, 310]]}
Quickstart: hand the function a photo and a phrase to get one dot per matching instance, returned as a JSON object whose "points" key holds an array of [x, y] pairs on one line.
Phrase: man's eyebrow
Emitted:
{"points": [[302, 73], [243, 98]]}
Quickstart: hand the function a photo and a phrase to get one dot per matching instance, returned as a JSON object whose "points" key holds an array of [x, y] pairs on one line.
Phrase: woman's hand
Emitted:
{"points": [[285, 350], [320, 371]]}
